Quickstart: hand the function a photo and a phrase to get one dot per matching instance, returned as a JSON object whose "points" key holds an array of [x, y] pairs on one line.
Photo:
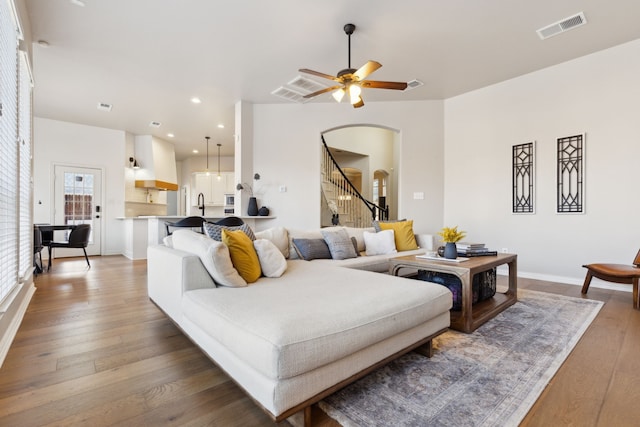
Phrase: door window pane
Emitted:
{"points": [[78, 199]]}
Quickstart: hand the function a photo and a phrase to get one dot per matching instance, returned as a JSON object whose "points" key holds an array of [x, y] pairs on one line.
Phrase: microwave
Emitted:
{"points": [[229, 199]]}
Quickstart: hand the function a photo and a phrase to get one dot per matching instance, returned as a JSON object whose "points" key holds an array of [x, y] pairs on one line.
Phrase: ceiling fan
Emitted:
{"points": [[352, 81]]}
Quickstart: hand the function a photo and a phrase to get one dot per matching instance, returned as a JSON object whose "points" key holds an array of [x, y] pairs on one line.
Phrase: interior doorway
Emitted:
{"points": [[373, 150]]}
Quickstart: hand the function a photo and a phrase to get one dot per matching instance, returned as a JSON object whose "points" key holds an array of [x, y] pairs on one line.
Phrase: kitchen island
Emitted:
{"points": [[142, 231]]}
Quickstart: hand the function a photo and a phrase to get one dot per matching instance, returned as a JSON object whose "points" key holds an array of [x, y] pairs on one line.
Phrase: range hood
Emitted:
{"points": [[157, 160]]}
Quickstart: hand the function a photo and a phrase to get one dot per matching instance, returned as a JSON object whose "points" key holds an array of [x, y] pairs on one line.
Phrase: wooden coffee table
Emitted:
{"points": [[472, 315]]}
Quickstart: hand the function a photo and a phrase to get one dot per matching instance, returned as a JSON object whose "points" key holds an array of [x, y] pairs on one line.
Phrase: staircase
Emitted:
{"points": [[339, 196]]}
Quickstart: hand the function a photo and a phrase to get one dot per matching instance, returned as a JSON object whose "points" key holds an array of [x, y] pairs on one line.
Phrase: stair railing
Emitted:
{"points": [[350, 203]]}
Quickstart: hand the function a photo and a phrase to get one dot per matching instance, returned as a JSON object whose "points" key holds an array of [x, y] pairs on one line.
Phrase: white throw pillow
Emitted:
{"points": [[272, 262], [381, 243], [213, 254], [279, 236], [167, 241]]}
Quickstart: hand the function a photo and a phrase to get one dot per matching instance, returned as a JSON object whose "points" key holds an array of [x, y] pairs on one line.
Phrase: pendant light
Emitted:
{"points": [[207, 138], [219, 176]]}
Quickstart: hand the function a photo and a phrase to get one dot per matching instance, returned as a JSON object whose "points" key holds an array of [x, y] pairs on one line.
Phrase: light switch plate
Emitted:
{"points": [[418, 196]]}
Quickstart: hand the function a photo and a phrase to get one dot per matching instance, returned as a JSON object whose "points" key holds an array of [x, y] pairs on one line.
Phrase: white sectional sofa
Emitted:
{"points": [[377, 263], [292, 340]]}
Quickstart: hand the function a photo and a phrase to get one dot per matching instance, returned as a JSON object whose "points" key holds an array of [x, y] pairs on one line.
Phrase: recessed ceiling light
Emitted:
{"points": [[221, 126], [170, 135], [43, 43], [154, 124], [196, 100], [77, 3], [195, 151]]}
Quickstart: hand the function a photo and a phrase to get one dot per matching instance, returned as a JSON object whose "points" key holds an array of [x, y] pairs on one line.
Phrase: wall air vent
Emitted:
{"points": [[154, 124], [289, 94], [561, 26], [413, 84], [104, 106]]}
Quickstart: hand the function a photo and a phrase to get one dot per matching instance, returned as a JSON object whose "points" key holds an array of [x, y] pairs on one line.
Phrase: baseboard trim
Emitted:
{"points": [[13, 313], [595, 283]]}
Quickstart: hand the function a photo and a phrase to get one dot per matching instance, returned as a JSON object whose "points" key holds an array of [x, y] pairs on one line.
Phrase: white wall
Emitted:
{"points": [[598, 95], [287, 151], [57, 142]]}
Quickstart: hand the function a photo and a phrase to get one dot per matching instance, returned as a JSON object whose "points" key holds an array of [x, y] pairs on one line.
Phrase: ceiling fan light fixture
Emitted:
{"points": [[354, 93], [350, 79]]}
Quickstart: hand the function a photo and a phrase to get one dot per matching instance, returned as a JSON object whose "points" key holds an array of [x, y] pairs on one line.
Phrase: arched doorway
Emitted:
{"points": [[372, 152]]}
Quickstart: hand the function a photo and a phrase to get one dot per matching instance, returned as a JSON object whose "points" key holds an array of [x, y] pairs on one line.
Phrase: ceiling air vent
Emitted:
{"points": [[307, 85], [561, 26], [413, 84], [297, 88], [289, 94], [104, 106]]}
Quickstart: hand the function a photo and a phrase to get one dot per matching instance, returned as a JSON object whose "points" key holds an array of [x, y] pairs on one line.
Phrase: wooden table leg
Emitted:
{"points": [[467, 302]]}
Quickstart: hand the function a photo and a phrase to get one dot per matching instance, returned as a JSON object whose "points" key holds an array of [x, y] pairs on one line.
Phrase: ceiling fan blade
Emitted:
{"points": [[319, 74], [373, 84], [321, 91], [366, 69]]}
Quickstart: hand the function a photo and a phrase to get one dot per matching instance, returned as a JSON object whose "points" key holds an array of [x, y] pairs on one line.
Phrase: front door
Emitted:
{"points": [[77, 200]]}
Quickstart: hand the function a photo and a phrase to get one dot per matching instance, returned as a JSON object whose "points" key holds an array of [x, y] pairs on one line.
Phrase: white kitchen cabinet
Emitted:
{"points": [[211, 187]]}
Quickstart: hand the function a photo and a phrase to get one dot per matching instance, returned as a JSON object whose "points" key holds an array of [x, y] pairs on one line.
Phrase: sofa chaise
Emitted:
{"points": [[292, 340]]}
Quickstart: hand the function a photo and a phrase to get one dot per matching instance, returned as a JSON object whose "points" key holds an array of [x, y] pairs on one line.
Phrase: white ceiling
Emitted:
{"points": [[149, 57]]}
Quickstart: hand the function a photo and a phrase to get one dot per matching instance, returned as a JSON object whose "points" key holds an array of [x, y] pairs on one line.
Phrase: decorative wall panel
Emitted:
{"points": [[523, 158], [570, 174]]}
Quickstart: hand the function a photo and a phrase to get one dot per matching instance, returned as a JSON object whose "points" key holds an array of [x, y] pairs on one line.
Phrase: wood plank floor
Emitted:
{"points": [[93, 350]]}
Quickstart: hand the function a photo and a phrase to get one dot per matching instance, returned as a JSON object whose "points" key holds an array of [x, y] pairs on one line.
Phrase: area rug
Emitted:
{"points": [[489, 378]]}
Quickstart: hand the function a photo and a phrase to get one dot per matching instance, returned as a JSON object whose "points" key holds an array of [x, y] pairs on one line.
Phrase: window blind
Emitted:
{"points": [[25, 182], [8, 150]]}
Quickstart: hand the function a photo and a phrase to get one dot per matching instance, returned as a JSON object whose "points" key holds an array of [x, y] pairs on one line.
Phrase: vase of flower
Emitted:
{"points": [[451, 235], [450, 250]]}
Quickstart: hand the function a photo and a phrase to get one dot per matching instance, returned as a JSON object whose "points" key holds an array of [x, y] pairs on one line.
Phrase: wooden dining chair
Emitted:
{"points": [[617, 273], [37, 250], [78, 238]]}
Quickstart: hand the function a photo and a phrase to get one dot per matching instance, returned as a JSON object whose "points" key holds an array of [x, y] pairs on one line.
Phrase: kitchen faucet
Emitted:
{"points": [[201, 203]]}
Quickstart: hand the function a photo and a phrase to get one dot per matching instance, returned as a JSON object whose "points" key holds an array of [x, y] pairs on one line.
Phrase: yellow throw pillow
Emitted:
{"points": [[403, 234], [243, 255]]}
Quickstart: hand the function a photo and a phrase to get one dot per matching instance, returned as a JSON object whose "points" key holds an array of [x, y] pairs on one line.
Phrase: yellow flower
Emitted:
{"points": [[451, 234]]}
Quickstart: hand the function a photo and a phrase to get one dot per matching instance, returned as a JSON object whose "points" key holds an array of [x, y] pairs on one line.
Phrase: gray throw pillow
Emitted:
{"points": [[215, 231], [339, 242], [309, 249]]}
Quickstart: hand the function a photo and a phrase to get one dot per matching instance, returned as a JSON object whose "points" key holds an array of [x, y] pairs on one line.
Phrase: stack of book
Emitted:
{"points": [[473, 249]]}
